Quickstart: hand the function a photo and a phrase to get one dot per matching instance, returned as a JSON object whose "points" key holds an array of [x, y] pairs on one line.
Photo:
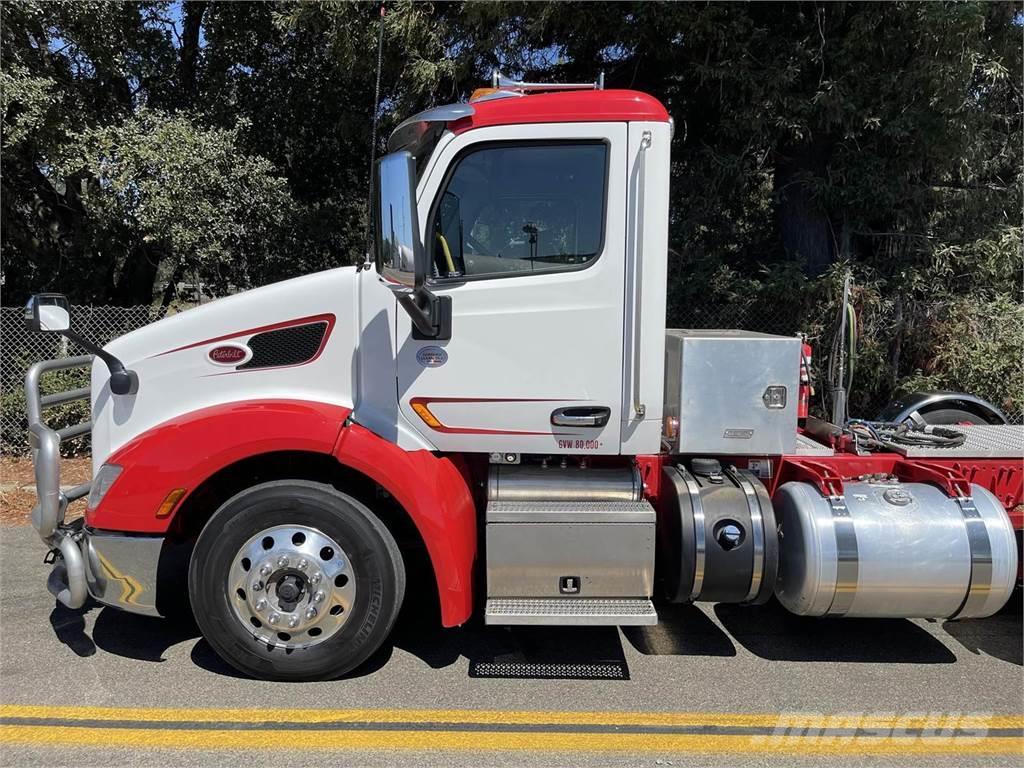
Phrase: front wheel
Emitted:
{"points": [[294, 580]]}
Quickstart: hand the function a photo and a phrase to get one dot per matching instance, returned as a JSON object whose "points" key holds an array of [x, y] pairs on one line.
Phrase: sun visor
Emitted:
{"points": [[411, 133]]}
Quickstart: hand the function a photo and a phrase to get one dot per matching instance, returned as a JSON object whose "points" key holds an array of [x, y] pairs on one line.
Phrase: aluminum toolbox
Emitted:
{"points": [[733, 392], [542, 549]]}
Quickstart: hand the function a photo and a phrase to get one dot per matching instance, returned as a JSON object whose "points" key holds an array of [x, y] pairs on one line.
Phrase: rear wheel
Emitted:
{"points": [[294, 580]]}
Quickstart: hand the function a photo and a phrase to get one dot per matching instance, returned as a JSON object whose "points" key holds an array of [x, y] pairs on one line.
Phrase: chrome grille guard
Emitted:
{"points": [[67, 582]]}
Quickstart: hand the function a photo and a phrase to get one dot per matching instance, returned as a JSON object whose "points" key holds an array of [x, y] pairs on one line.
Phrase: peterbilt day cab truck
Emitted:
{"points": [[501, 394]]}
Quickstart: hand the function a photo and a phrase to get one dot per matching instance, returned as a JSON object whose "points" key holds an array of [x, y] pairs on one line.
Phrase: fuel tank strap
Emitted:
{"points": [[848, 558], [698, 530], [980, 584], [756, 529]]}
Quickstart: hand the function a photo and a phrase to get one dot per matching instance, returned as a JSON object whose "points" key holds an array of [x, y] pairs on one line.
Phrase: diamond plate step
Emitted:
{"points": [[982, 441], [570, 611]]}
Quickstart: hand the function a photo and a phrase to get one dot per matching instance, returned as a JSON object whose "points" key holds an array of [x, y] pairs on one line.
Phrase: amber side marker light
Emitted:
{"points": [[170, 502], [424, 413]]}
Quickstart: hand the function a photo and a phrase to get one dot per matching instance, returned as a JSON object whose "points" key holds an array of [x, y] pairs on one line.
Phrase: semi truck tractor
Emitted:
{"points": [[494, 394]]}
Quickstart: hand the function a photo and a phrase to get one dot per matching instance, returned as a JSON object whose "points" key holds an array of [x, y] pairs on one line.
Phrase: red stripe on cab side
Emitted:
{"points": [[443, 428]]}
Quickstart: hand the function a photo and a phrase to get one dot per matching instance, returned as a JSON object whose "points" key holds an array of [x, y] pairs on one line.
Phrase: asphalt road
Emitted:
{"points": [[710, 685]]}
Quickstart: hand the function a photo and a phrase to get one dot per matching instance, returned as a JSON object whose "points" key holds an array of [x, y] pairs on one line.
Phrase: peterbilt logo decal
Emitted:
{"points": [[229, 354]]}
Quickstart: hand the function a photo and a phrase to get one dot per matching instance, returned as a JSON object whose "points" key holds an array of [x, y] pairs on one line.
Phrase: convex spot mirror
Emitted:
{"points": [[48, 313]]}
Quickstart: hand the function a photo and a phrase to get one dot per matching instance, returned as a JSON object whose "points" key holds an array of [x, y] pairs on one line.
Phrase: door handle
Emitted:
{"points": [[581, 416]]}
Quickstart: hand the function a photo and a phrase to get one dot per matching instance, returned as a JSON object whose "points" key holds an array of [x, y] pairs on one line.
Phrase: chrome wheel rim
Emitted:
{"points": [[291, 586]]}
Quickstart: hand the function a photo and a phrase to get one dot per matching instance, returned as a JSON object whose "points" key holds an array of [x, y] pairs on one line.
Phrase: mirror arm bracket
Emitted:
{"points": [[122, 381], [431, 315]]}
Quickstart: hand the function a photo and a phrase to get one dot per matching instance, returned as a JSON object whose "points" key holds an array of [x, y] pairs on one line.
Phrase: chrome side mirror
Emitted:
{"points": [[48, 313], [400, 254], [402, 261], [51, 313]]}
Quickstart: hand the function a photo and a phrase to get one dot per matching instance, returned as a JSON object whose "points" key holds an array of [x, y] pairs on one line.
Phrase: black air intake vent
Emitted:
{"points": [[285, 346]]}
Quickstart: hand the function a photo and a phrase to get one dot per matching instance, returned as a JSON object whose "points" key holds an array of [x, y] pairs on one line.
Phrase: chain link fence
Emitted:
{"points": [[20, 348], [902, 346], [887, 334]]}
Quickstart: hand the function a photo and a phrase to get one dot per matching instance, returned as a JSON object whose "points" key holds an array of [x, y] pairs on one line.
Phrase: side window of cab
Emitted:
{"points": [[518, 209]]}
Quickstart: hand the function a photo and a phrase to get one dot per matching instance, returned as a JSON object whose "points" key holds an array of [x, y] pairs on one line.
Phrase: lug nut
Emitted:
{"points": [[318, 596], [303, 564], [315, 578], [274, 618], [293, 622], [265, 570], [257, 586], [261, 604], [311, 612], [282, 562]]}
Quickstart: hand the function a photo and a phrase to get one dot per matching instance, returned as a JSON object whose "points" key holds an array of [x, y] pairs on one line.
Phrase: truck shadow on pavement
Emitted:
{"points": [[998, 636], [768, 632], [682, 630]]}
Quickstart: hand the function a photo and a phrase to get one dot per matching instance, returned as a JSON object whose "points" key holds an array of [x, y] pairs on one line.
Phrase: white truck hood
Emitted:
{"points": [[177, 375]]}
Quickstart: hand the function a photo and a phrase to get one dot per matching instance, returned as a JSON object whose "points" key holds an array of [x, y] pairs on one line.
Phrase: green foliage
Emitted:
{"points": [[24, 103], [183, 191], [12, 410], [974, 347], [147, 140]]}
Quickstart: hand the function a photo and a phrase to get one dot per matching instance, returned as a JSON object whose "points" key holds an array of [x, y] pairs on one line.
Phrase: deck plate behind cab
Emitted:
{"points": [[983, 441]]}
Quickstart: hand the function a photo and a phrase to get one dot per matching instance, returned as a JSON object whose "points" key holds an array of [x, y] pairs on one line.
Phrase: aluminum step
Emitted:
{"points": [[808, 446], [570, 611]]}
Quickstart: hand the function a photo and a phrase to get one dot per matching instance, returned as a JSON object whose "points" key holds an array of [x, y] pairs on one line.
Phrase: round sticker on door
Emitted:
{"points": [[431, 357]]}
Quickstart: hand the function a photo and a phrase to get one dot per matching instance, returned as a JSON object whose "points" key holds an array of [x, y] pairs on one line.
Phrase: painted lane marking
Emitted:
{"points": [[490, 730], [350, 725], [197, 715], [488, 741]]}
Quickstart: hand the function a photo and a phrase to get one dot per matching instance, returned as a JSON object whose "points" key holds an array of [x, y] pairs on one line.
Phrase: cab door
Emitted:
{"points": [[527, 228]]}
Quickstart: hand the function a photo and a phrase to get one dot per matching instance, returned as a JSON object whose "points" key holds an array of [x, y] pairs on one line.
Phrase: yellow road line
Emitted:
{"points": [[475, 716], [494, 741]]}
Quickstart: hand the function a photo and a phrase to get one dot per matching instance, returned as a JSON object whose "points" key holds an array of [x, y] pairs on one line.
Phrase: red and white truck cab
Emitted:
{"points": [[500, 393]]}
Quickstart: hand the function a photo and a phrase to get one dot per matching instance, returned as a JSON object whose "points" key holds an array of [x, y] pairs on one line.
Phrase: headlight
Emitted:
{"points": [[101, 483]]}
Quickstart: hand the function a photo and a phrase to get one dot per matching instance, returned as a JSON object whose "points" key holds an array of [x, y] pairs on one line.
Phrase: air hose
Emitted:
{"points": [[873, 436]]}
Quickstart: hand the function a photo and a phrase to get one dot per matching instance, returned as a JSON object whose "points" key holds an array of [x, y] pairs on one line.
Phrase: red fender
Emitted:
{"points": [[437, 496], [185, 451]]}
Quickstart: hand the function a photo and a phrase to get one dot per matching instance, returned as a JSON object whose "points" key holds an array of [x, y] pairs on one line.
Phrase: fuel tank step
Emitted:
{"points": [[571, 611]]}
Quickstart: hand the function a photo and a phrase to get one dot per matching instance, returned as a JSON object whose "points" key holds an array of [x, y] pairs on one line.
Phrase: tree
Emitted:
{"points": [[811, 138], [179, 194]]}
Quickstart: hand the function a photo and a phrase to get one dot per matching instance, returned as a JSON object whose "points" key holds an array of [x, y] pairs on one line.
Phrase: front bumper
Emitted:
{"points": [[116, 569], [121, 570]]}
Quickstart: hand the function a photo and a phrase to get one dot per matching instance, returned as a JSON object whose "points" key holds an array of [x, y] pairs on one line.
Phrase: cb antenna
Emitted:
{"points": [[373, 142], [842, 358]]}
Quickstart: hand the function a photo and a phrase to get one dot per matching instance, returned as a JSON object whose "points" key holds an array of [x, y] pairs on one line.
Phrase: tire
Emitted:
{"points": [[229, 553], [951, 417]]}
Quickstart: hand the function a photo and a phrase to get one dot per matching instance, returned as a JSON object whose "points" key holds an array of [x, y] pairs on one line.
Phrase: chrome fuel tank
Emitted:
{"points": [[890, 549], [532, 483]]}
